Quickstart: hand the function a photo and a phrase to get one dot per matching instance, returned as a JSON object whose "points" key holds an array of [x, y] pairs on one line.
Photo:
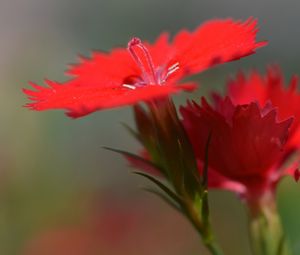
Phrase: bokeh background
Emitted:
{"points": [[60, 192]]}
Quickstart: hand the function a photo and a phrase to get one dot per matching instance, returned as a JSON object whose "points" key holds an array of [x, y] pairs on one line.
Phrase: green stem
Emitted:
{"points": [[214, 248], [204, 228], [266, 232]]}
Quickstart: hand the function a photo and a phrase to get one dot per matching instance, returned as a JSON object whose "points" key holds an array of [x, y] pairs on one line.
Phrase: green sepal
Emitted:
{"points": [[147, 136], [205, 210], [205, 166], [145, 127]]}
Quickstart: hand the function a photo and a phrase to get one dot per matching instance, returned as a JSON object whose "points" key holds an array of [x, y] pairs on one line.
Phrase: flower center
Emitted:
{"points": [[149, 73]]}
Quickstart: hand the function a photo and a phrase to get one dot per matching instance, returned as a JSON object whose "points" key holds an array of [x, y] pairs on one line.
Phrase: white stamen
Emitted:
{"points": [[173, 70], [129, 86], [176, 65], [170, 71]]}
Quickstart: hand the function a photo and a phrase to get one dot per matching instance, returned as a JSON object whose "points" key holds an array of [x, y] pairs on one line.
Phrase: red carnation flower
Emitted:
{"points": [[246, 144], [145, 71], [271, 87]]}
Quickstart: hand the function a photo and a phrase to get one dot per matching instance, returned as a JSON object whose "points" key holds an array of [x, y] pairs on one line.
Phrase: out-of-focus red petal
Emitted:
{"points": [[291, 169]]}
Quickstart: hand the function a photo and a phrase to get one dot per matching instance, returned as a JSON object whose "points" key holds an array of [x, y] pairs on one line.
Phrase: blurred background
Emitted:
{"points": [[60, 192]]}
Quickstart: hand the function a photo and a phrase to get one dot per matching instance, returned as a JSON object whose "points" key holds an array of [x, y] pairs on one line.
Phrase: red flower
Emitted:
{"points": [[270, 87], [246, 144], [143, 71]]}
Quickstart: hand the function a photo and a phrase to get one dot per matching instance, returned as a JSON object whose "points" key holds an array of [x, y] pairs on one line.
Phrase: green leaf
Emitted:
{"points": [[134, 133], [136, 157], [165, 198], [162, 186]]}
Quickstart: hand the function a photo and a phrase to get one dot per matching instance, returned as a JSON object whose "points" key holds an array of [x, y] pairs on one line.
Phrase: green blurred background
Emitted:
{"points": [[60, 192]]}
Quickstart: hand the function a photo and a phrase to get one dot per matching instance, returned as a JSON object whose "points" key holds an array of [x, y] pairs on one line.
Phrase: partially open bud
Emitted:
{"points": [[164, 137]]}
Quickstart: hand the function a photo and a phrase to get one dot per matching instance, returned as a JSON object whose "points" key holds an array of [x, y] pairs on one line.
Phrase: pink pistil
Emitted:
{"points": [[136, 42]]}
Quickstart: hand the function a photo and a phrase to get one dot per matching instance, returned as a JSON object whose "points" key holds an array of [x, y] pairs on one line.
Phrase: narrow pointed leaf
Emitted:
{"points": [[165, 198], [133, 132], [162, 186], [136, 157]]}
